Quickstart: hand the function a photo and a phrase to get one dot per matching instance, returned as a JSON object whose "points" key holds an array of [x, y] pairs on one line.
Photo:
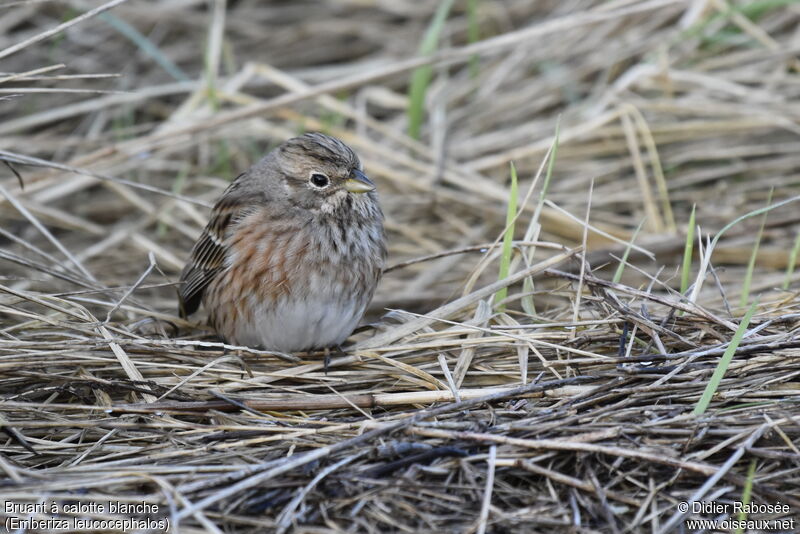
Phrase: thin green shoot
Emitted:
{"points": [[473, 36], [748, 277], [724, 362], [145, 45], [421, 77], [790, 266], [532, 234], [688, 249], [747, 493], [707, 258], [756, 10], [550, 166], [753, 11], [624, 259], [508, 236]]}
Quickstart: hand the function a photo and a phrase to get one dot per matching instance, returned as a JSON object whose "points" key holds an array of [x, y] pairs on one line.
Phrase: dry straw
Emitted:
{"points": [[569, 405]]}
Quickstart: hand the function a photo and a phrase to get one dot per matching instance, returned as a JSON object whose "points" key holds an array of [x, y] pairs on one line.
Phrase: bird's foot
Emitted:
{"points": [[327, 362]]}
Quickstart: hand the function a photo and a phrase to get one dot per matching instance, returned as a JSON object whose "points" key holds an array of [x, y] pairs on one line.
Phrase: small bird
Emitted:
{"points": [[293, 251]]}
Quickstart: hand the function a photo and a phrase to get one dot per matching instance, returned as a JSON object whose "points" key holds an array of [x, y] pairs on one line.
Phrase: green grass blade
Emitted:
{"points": [[550, 166], [145, 45], [751, 10], [748, 277], [753, 213], [534, 227], [416, 100], [724, 362], [624, 259], [421, 77], [700, 276], [747, 492], [473, 35], [688, 249], [508, 236], [792, 262]]}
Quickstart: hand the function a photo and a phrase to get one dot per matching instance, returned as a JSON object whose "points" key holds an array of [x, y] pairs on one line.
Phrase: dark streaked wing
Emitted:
{"points": [[207, 258]]}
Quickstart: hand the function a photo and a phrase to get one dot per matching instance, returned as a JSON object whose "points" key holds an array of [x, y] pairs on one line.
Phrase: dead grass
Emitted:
{"points": [[444, 414]]}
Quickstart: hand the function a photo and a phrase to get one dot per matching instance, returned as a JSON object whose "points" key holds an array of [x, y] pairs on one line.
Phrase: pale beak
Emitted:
{"points": [[359, 183]]}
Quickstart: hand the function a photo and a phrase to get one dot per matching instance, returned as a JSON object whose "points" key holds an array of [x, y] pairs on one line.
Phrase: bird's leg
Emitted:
{"points": [[339, 352]]}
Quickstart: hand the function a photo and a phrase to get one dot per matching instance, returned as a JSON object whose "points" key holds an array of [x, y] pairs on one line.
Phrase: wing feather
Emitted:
{"points": [[207, 258]]}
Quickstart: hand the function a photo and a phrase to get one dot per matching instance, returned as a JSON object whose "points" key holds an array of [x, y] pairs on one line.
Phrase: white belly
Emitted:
{"points": [[292, 325]]}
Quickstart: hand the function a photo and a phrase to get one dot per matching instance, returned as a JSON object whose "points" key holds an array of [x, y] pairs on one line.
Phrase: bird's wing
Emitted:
{"points": [[207, 258]]}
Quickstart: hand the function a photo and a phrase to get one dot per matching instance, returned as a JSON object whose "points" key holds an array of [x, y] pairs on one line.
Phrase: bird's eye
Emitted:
{"points": [[319, 180]]}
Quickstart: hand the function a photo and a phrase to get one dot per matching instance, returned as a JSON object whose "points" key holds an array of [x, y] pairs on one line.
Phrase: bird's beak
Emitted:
{"points": [[359, 183]]}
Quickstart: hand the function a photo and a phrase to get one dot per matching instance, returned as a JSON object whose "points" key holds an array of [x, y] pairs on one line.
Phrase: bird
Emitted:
{"points": [[293, 250]]}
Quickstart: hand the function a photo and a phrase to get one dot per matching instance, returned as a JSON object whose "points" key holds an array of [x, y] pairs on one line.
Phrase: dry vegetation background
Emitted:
{"points": [[577, 416]]}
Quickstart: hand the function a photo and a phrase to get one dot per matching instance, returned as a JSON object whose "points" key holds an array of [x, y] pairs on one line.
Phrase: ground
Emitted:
{"points": [[589, 398]]}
